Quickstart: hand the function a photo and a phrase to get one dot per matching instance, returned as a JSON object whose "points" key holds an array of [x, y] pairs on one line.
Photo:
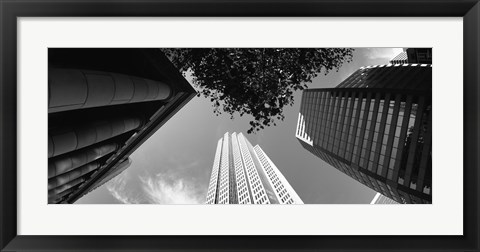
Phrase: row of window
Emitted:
{"points": [[359, 176], [328, 112], [213, 178], [242, 190], [331, 143], [278, 186], [224, 172], [253, 177]]}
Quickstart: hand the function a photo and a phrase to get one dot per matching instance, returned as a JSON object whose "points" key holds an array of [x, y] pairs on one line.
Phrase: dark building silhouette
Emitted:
{"points": [[102, 105], [413, 55], [376, 127], [419, 55]]}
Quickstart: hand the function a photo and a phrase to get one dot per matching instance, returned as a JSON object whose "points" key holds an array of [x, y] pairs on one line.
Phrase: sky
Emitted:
{"points": [[174, 165]]}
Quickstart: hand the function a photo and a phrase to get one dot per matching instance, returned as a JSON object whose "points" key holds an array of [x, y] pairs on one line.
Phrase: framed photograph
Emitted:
{"points": [[201, 125]]}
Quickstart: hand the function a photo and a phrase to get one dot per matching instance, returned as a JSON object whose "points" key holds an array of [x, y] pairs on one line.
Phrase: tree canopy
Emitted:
{"points": [[255, 81]]}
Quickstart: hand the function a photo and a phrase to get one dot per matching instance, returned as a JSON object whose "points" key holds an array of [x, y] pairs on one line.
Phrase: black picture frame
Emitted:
{"points": [[10, 10]]}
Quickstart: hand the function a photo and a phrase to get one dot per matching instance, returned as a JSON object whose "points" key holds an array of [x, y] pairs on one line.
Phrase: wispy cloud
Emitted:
{"points": [[166, 188], [117, 186], [162, 188], [155, 178], [382, 53]]}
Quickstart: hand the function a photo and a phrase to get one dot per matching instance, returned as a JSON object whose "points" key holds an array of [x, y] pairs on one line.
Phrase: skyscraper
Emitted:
{"points": [[244, 174], [376, 127], [413, 55], [379, 199], [419, 55], [102, 105], [401, 58]]}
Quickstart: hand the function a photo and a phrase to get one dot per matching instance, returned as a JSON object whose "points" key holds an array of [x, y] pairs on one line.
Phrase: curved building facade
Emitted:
{"points": [[102, 105]]}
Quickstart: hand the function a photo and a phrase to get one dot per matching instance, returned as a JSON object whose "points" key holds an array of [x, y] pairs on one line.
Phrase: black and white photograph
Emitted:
{"points": [[240, 125]]}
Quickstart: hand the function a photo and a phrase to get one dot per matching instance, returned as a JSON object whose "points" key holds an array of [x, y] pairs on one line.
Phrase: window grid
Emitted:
{"points": [[224, 172], [279, 188], [212, 188], [258, 191], [242, 189]]}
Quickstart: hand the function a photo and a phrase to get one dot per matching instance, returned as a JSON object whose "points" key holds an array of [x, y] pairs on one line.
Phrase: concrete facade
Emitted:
{"points": [[103, 104]]}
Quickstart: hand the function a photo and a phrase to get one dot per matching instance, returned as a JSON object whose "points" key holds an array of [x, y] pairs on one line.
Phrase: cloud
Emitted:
{"points": [[174, 179], [166, 188], [382, 53], [162, 188], [117, 186]]}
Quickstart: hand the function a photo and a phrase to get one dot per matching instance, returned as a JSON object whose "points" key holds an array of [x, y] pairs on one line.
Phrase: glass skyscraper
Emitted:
{"points": [[244, 174], [376, 127]]}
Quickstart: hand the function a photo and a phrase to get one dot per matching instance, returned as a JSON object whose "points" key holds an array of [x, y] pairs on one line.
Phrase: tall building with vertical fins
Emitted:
{"points": [[376, 127], [102, 105], [244, 174]]}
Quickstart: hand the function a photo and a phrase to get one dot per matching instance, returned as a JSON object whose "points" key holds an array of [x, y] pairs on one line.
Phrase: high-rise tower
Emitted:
{"points": [[102, 105], [413, 55], [380, 199], [376, 127], [243, 174]]}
